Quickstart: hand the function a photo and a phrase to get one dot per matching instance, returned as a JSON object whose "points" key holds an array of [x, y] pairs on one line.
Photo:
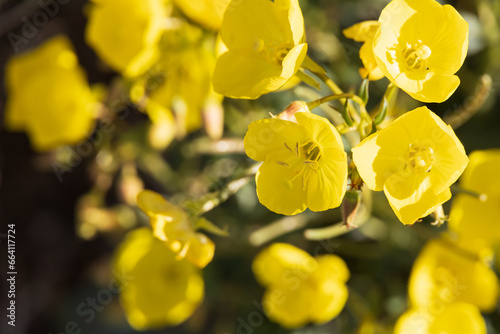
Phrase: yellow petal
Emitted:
{"points": [[124, 33], [425, 128], [414, 321], [473, 219], [381, 155], [246, 75], [266, 137], [329, 301], [205, 12], [363, 31], [153, 203], [412, 197], [459, 318], [293, 60], [281, 264], [201, 250], [432, 88], [280, 189], [331, 266], [444, 274], [249, 21], [289, 307], [371, 69], [326, 186]]}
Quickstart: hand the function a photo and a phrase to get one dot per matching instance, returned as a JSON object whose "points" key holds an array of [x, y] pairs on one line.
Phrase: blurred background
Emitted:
{"points": [[69, 221]]}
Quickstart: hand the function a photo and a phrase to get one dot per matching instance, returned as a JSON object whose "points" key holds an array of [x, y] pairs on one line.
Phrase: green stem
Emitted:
{"points": [[211, 200], [313, 104], [318, 71]]}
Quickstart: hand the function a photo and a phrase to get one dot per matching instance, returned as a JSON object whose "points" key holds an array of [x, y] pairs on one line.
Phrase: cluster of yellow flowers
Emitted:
{"points": [[179, 74], [414, 160]]}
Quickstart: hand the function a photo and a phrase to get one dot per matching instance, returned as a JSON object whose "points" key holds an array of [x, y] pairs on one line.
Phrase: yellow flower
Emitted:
{"points": [[205, 12], [172, 225], [477, 220], [420, 46], [48, 96], [414, 160], [365, 32], [451, 319], [161, 290], [444, 274], [184, 92], [305, 165], [266, 47], [299, 288], [124, 33]]}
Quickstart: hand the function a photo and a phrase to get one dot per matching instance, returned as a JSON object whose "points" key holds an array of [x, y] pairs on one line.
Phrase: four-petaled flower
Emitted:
{"points": [[305, 165], [157, 290], [299, 288], [414, 161], [265, 41], [420, 46], [49, 96]]}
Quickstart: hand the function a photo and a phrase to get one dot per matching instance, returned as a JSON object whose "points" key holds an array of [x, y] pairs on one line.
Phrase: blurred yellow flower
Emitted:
{"points": [[365, 32], [162, 291], [48, 95], [420, 46], [266, 47], [125, 33], [414, 160], [305, 165], [443, 274], [451, 319], [205, 12], [299, 288], [172, 225], [183, 95], [477, 220]]}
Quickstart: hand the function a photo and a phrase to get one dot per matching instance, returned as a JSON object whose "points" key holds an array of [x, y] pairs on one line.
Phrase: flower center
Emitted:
{"points": [[415, 56], [420, 158], [272, 51], [307, 154]]}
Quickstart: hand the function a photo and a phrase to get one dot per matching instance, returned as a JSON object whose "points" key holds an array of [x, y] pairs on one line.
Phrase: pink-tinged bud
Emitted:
{"points": [[289, 113]]}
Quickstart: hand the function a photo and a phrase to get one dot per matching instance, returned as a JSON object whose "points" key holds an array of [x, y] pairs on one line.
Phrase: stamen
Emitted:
{"points": [[282, 163]]}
